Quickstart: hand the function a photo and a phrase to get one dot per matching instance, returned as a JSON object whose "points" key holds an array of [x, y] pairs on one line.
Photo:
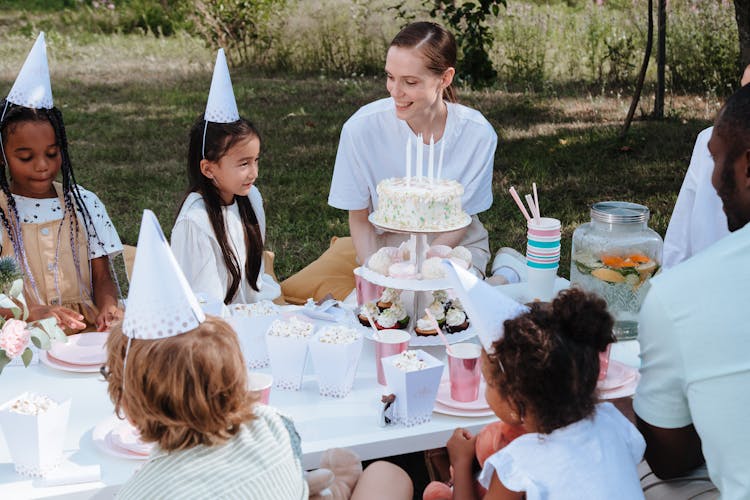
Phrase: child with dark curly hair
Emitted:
{"points": [[542, 375]]}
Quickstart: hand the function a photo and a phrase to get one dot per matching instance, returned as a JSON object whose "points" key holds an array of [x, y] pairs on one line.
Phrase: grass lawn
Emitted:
{"points": [[129, 101]]}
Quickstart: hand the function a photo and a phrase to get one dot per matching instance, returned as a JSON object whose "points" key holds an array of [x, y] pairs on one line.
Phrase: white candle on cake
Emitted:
{"points": [[431, 161], [420, 156], [408, 160], [440, 161]]}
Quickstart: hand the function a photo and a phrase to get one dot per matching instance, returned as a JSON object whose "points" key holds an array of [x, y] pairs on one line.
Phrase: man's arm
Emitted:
{"points": [[671, 452], [661, 407]]}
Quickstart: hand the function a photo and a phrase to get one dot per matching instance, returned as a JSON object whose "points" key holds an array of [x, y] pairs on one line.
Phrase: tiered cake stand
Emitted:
{"points": [[417, 285]]}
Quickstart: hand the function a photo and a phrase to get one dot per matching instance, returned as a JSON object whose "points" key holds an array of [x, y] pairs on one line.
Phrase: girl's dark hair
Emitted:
{"points": [[550, 358], [15, 115], [220, 137], [438, 46]]}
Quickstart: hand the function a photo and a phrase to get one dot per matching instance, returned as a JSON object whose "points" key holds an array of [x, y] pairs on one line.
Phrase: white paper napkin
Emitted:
{"points": [[71, 473]]}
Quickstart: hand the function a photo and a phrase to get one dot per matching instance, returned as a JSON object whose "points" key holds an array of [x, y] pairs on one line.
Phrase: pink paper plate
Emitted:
{"points": [[618, 375], [444, 398], [126, 437], [103, 439], [624, 391], [82, 349], [47, 359], [456, 412]]}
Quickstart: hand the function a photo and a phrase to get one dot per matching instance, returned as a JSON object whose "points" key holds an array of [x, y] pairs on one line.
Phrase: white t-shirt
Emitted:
{"points": [[42, 210], [591, 458], [695, 357], [373, 147], [698, 220], [197, 250]]}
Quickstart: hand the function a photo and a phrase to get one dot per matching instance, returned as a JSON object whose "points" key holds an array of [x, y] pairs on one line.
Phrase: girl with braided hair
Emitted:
{"points": [[59, 232], [541, 375]]}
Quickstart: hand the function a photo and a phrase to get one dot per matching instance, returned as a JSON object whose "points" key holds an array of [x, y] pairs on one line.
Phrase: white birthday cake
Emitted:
{"points": [[420, 204]]}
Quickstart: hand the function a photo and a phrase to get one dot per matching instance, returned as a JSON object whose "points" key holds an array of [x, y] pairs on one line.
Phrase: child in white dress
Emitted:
{"points": [[542, 375], [220, 229]]}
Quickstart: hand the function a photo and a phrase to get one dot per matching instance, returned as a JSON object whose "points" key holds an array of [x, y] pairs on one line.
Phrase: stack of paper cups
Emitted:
{"points": [[542, 257]]}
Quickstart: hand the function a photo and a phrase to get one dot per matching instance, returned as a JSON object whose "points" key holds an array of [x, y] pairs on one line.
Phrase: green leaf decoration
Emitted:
{"points": [[37, 343], [26, 356], [41, 336], [16, 290], [7, 303], [49, 325]]}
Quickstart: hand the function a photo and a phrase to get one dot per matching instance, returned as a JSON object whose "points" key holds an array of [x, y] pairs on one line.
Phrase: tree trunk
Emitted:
{"points": [[661, 57], [742, 15], [644, 67]]}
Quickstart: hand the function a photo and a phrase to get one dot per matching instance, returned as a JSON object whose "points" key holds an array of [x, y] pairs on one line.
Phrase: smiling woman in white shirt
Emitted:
{"points": [[419, 67]]}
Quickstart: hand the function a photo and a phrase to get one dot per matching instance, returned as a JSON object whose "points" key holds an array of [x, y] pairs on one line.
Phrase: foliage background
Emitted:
{"points": [[130, 80]]}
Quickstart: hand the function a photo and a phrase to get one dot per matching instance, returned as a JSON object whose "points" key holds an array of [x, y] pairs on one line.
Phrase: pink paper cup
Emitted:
{"points": [[604, 362], [464, 369], [260, 384], [389, 343], [366, 291]]}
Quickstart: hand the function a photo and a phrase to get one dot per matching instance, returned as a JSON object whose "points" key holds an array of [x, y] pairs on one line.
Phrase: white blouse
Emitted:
{"points": [[593, 458], [197, 250], [103, 237]]}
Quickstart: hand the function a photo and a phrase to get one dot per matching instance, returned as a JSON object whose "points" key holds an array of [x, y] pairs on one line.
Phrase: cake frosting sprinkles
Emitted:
{"points": [[420, 204]]}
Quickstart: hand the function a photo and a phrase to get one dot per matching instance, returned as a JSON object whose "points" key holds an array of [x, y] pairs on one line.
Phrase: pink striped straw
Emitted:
{"points": [[518, 201], [536, 202], [532, 207], [438, 330]]}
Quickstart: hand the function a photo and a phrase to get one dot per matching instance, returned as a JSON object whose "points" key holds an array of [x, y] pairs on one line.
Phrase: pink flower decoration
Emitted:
{"points": [[14, 337]]}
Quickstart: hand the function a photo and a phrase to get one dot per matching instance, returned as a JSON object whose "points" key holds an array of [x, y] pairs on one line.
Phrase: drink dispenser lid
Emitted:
{"points": [[619, 212]]}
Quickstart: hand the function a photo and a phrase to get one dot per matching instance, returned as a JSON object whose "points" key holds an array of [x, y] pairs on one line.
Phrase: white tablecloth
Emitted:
{"points": [[323, 423]]}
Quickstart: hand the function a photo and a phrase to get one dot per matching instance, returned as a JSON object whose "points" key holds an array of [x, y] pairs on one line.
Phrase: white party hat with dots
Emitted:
{"points": [[486, 307], [221, 106], [160, 302], [32, 88]]}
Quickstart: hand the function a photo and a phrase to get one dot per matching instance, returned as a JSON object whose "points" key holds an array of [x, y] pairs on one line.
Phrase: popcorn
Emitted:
{"points": [[294, 328], [262, 308], [338, 335], [408, 361], [432, 269], [380, 261], [32, 404]]}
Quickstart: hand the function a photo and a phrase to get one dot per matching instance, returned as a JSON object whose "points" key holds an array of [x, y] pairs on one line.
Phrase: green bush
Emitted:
{"points": [[538, 44], [702, 47], [522, 48], [242, 27]]}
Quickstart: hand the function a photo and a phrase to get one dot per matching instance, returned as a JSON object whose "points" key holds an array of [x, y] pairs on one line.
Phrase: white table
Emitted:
{"points": [[323, 423]]}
